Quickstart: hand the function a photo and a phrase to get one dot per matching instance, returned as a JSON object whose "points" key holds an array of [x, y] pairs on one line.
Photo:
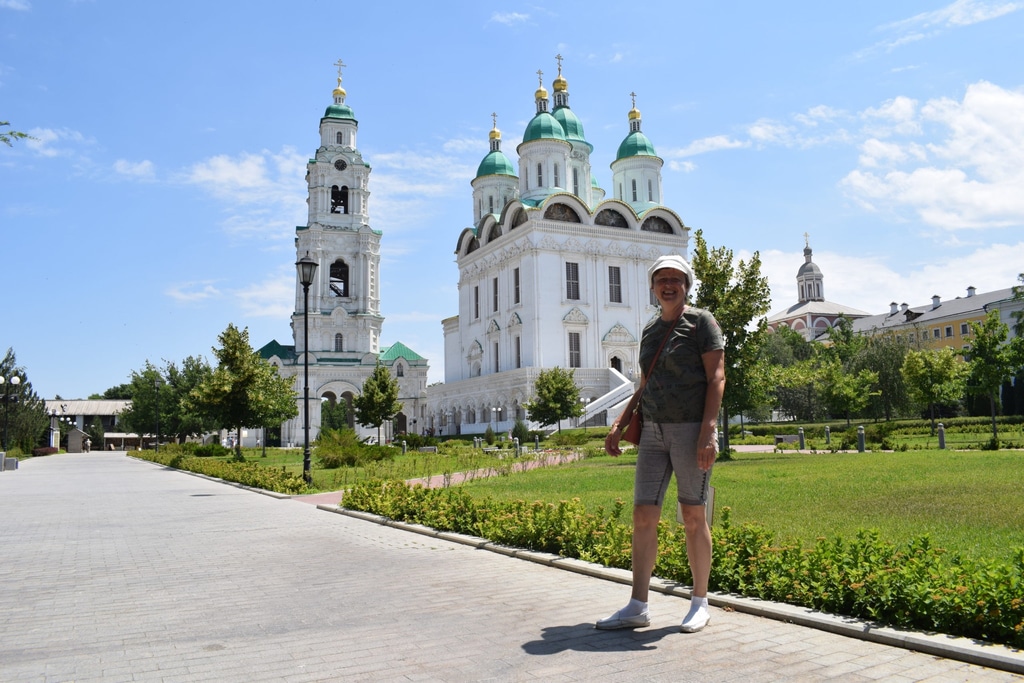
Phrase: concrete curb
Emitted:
{"points": [[949, 647]]}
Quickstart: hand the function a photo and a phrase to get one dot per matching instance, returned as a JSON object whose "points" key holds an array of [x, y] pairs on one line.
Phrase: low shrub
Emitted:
{"points": [[914, 586], [44, 450], [210, 450], [573, 438], [247, 473]]}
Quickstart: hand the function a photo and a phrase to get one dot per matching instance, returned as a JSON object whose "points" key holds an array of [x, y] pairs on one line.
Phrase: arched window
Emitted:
{"points": [[339, 199], [339, 279], [556, 175], [399, 370], [576, 182], [340, 138], [339, 342], [490, 204], [634, 189], [540, 176], [650, 191], [617, 363]]}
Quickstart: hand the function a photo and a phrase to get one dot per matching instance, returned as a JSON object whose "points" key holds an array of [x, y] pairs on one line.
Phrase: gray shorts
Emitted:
{"points": [[664, 449]]}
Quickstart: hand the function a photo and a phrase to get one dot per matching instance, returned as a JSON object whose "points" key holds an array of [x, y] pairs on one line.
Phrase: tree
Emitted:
{"points": [[333, 414], [934, 376], [1018, 316], [121, 392], [736, 296], [378, 401], [847, 392], [9, 136], [993, 361], [885, 354], [556, 397], [26, 416], [243, 390]]}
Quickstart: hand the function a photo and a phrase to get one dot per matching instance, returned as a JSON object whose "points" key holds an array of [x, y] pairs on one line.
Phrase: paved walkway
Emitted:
{"points": [[115, 569]]}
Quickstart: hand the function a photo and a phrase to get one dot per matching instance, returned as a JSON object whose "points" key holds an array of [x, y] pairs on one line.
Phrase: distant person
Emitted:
{"points": [[680, 405], [86, 445]]}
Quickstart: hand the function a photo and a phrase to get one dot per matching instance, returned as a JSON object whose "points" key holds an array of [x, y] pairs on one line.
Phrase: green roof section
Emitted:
{"points": [[636, 144], [273, 348], [495, 163], [572, 126], [544, 126], [399, 350], [340, 111]]}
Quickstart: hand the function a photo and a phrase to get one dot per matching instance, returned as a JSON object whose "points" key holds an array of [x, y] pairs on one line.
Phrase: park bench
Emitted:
{"points": [[786, 438], [427, 449]]}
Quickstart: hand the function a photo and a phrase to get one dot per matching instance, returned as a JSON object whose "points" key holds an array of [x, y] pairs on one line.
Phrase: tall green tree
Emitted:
{"points": [[934, 377], [556, 397], [243, 390], [141, 415], [26, 418], [845, 391], [378, 401], [737, 295], [885, 354], [333, 414], [993, 361]]}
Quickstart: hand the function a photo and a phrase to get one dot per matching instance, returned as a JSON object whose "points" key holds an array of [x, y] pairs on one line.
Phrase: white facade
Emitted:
{"points": [[345, 322], [556, 277]]}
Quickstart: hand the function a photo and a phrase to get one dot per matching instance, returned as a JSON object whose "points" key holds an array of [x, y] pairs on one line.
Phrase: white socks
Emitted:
{"points": [[634, 608]]}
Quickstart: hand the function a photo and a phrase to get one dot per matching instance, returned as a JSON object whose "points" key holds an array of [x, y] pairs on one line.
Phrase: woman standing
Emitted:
{"points": [[680, 405]]}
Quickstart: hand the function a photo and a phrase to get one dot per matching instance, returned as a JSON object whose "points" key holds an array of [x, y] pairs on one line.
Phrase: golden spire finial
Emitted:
{"points": [[494, 119], [338, 90], [807, 240], [559, 59], [633, 97], [540, 78]]}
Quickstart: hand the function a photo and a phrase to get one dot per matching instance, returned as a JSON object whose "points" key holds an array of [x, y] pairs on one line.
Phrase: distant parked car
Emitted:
{"points": [[370, 440]]}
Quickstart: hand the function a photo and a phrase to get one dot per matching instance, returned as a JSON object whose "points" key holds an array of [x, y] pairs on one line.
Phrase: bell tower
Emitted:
{"points": [[344, 300]]}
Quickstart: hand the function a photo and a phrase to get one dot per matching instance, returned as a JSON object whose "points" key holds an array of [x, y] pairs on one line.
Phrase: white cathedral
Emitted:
{"points": [[553, 274]]}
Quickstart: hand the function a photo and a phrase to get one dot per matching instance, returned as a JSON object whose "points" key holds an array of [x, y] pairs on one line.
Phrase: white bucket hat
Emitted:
{"points": [[671, 261]]}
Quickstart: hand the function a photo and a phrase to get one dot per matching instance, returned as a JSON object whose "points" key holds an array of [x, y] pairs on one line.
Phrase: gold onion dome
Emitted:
{"points": [[560, 84], [541, 94], [495, 134], [634, 114], [339, 91]]}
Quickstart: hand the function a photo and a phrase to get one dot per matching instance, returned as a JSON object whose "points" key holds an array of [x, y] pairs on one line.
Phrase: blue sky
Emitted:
{"points": [[159, 200]]}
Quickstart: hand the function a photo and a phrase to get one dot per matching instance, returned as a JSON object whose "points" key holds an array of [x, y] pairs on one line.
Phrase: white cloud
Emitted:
{"points": [[264, 194], [684, 166], [822, 113], [959, 13], [50, 142], [970, 178], [274, 297], [19, 5], [141, 170], [509, 18], [709, 144], [192, 292]]}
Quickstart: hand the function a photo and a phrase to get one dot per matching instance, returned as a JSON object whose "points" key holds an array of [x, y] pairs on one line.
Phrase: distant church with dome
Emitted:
{"points": [[812, 315], [553, 273]]}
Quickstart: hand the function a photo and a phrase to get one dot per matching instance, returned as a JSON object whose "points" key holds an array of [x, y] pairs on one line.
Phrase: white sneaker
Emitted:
{"points": [[697, 618], [618, 620]]}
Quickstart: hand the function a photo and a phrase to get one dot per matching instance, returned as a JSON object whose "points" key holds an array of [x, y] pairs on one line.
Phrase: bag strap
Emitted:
{"points": [[635, 401]]}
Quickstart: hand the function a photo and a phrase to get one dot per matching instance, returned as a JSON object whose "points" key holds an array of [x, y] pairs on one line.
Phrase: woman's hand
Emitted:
{"points": [[707, 448], [611, 442]]}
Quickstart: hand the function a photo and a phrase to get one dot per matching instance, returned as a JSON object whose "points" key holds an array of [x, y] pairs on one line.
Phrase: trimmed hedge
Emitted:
{"points": [[247, 473], [916, 586]]}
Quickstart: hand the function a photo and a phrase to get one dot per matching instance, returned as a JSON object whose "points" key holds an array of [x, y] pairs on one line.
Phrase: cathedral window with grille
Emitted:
{"points": [[339, 342], [494, 295], [615, 284], [572, 280], [515, 285], [575, 356], [540, 176], [519, 352], [339, 279], [576, 182], [634, 190], [399, 370], [650, 191], [340, 138], [476, 302], [556, 175]]}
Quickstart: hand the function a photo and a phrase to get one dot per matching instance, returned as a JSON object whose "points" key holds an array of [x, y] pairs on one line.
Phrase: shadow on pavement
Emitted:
{"points": [[584, 637]]}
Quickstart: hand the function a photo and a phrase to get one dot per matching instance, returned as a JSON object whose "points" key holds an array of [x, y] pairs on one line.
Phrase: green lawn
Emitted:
{"points": [[969, 502]]}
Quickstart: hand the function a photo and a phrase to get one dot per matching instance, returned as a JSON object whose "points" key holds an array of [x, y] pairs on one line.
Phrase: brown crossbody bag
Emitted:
{"points": [[636, 418]]}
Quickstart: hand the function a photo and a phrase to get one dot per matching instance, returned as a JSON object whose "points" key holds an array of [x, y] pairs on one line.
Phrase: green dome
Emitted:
{"points": [[593, 182], [495, 163], [544, 126], [636, 144], [339, 111], [572, 126]]}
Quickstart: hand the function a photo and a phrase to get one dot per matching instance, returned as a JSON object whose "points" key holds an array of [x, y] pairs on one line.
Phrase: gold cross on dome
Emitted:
{"points": [[633, 95], [494, 118], [540, 77], [559, 58], [339, 64], [807, 240]]}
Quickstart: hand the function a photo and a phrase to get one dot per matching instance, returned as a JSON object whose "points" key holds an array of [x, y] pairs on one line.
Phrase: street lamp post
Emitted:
{"points": [[8, 382], [156, 387], [307, 268]]}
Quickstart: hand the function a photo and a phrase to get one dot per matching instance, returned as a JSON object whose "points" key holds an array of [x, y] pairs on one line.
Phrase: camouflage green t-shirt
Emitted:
{"points": [[676, 389]]}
